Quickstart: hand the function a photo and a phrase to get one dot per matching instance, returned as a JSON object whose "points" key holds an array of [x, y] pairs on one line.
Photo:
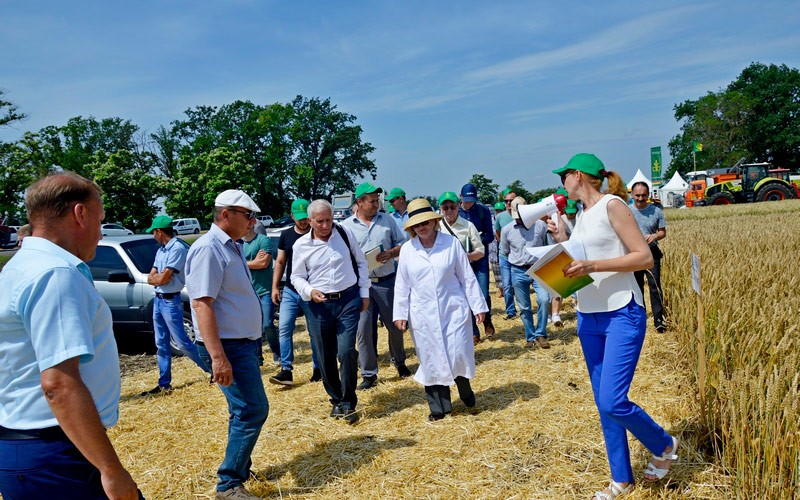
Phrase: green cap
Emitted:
{"points": [[572, 207], [300, 209], [563, 191], [160, 222], [391, 209], [499, 206], [506, 191], [394, 193], [448, 196], [367, 188], [583, 162]]}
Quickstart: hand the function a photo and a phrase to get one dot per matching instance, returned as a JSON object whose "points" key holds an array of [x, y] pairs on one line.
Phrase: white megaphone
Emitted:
{"points": [[529, 214]]}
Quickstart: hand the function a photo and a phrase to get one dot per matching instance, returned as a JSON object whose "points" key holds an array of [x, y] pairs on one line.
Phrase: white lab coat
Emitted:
{"points": [[435, 294]]}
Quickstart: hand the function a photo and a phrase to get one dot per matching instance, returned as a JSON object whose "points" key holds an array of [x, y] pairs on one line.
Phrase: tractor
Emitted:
{"points": [[747, 183]]}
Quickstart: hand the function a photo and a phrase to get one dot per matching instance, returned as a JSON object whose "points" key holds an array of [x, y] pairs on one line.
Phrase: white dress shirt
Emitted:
{"points": [[326, 265]]}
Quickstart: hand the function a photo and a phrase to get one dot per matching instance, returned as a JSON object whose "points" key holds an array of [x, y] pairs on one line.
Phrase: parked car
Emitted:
{"points": [[119, 269], [114, 230], [8, 236], [266, 220], [284, 222], [186, 226], [341, 214]]}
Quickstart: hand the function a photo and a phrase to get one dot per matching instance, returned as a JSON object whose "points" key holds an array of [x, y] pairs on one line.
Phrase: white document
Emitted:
{"points": [[372, 258], [573, 247]]}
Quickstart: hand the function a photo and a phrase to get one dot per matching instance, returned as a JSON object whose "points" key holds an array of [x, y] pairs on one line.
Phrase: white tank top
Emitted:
{"points": [[610, 290]]}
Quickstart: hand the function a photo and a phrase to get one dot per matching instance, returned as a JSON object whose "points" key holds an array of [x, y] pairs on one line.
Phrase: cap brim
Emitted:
{"points": [[561, 170], [300, 215], [469, 199]]}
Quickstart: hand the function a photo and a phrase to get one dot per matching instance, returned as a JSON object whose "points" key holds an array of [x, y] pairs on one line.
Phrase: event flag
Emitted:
{"points": [[697, 147], [655, 166]]}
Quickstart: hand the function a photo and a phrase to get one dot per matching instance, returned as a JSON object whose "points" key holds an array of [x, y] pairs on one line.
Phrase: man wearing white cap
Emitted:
{"points": [[227, 318]]}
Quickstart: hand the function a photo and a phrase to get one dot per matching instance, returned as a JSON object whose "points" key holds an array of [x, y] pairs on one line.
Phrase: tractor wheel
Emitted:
{"points": [[721, 198], [774, 192]]}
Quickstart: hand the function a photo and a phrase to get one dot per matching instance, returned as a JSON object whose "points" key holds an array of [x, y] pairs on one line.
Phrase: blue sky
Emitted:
{"points": [[442, 89]]}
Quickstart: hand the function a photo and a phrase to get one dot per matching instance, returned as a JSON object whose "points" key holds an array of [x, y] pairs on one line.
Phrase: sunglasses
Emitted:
{"points": [[508, 201], [250, 214], [422, 224], [565, 174]]}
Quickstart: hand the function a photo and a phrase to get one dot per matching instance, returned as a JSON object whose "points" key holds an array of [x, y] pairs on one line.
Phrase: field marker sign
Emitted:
{"points": [[696, 273], [701, 335]]}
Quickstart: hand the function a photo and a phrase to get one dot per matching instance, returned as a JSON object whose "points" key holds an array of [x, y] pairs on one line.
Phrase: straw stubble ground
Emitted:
{"points": [[534, 433]]}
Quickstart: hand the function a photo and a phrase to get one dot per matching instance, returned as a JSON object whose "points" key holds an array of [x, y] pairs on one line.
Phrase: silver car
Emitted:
{"points": [[114, 230], [120, 269]]}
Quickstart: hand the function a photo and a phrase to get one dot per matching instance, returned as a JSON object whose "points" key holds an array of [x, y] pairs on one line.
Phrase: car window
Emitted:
{"points": [[179, 223], [142, 253], [106, 260]]}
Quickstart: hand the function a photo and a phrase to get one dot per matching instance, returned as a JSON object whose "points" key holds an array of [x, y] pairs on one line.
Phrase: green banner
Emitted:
{"points": [[655, 165]]}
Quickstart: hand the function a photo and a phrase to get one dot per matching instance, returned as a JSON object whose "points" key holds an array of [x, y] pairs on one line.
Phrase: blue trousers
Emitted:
{"points": [[481, 270], [522, 292], [333, 325], [508, 286], [248, 408], [289, 309], [168, 323], [611, 343], [268, 329], [35, 468]]}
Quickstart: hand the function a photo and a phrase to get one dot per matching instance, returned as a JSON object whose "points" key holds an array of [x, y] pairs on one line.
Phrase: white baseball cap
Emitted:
{"points": [[235, 198]]}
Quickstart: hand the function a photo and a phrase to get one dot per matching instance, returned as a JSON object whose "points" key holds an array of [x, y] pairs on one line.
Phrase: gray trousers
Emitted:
{"points": [[439, 396], [381, 296]]}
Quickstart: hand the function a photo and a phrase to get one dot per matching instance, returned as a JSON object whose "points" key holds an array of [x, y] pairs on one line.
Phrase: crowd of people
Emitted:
{"points": [[414, 269]]}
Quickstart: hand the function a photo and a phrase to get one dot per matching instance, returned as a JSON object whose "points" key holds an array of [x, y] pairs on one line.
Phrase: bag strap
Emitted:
{"points": [[343, 234], [447, 226]]}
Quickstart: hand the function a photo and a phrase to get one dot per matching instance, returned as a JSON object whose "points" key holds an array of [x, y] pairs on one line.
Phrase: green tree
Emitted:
{"points": [[166, 151], [9, 112], [487, 190], [16, 171], [202, 178], [519, 189]]}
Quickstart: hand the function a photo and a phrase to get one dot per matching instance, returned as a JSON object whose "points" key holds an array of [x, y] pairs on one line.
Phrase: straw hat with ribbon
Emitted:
{"points": [[419, 211]]}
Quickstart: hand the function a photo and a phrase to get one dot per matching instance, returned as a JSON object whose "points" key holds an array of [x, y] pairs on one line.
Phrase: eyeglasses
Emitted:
{"points": [[422, 224], [565, 174], [250, 214], [508, 201]]}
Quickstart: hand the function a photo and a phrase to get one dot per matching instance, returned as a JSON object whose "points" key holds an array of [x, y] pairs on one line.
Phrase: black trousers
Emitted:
{"points": [[656, 296], [439, 396]]}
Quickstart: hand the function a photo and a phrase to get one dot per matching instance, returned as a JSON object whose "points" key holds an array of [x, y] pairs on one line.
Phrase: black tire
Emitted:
{"points": [[188, 327], [721, 198], [196, 231], [774, 191]]}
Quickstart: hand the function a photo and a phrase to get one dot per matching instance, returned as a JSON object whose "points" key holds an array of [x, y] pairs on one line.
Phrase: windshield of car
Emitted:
{"points": [[142, 253]]}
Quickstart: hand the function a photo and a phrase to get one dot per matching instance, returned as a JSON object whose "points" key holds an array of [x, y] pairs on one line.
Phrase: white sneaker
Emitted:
{"points": [[235, 493], [556, 319]]}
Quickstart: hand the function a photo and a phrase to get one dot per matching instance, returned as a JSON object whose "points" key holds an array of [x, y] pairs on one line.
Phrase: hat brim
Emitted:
{"points": [[151, 229], [561, 170], [420, 218], [469, 199], [300, 215]]}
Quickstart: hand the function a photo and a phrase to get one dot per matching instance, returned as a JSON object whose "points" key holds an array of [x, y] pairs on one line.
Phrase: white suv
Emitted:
{"points": [[266, 220], [186, 226]]}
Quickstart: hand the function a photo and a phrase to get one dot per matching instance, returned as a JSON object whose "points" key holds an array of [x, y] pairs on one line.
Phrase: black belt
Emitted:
{"points": [[225, 341], [166, 295], [380, 279], [339, 295], [46, 434], [525, 267]]}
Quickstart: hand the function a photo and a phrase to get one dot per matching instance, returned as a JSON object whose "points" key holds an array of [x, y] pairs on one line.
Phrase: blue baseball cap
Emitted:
{"points": [[469, 193]]}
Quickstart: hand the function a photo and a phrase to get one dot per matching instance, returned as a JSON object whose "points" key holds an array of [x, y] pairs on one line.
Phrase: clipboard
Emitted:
{"points": [[372, 258]]}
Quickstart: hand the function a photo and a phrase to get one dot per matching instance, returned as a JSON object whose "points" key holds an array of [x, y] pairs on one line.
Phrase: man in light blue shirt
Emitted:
{"points": [[168, 277], [59, 367], [227, 318], [397, 199], [374, 229]]}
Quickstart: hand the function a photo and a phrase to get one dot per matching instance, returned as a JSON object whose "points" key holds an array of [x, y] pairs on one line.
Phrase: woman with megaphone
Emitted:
{"points": [[611, 316]]}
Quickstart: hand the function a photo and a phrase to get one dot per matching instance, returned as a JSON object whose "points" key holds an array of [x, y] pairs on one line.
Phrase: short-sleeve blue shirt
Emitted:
{"points": [[650, 219], [382, 231], [173, 256], [50, 312], [216, 268]]}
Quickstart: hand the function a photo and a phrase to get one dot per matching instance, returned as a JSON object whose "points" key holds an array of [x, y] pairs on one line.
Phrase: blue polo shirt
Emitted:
{"points": [[382, 231], [216, 268], [50, 312], [400, 218], [173, 256]]}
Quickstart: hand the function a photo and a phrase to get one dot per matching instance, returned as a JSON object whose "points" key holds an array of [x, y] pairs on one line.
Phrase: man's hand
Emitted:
{"points": [[384, 256], [480, 317], [260, 261], [364, 304], [276, 296], [119, 485], [318, 296], [222, 370], [401, 325], [650, 238]]}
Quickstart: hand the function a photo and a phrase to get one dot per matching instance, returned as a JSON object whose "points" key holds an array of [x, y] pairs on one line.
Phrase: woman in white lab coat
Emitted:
{"points": [[435, 290]]}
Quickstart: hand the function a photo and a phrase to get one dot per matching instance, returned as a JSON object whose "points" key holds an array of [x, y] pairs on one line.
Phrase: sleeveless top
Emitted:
{"points": [[610, 290]]}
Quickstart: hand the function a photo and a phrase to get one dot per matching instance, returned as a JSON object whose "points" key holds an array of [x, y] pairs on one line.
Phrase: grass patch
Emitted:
{"points": [[4, 259]]}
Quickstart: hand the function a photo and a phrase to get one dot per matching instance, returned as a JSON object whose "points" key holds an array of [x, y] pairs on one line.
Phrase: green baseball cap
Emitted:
{"points": [[506, 191], [572, 207], [583, 162], [562, 191], [391, 209], [394, 193], [499, 206], [367, 188], [300, 209], [160, 222], [448, 196]]}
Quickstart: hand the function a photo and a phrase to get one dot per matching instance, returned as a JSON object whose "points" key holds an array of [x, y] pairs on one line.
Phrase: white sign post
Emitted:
{"points": [[701, 335]]}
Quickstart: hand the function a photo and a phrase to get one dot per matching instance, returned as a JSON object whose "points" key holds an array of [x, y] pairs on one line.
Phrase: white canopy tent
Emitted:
{"points": [[675, 187], [639, 177]]}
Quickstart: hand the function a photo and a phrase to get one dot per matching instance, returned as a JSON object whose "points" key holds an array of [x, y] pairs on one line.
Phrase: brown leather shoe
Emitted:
{"points": [[476, 340], [543, 342]]}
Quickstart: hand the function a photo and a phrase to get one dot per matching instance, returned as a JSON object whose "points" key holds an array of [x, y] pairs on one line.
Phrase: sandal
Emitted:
{"points": [[616, 489], [660, 473]]}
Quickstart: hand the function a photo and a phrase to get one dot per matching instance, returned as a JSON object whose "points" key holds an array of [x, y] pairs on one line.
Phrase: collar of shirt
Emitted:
{"points": [[37, 244]]}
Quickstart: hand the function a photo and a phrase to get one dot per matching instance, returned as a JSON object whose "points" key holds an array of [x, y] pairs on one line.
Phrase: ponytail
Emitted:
{"points": [[616, 185]]}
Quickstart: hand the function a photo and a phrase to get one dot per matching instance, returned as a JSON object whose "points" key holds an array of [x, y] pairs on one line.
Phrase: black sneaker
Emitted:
{"points": [[511, 316], [403, 371], [368, 383], [351, 417], [316, 376], [435, 416], [284, 377], [337, 411], [157, 390]]}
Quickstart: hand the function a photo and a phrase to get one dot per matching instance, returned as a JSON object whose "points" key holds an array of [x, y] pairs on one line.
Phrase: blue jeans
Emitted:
{"points": [[268, 329], [611, 343], [291, 303], [36, 468], [168, 322], [482, 275], [333, 325], [248, 408], [522, 292], [508, 286]]}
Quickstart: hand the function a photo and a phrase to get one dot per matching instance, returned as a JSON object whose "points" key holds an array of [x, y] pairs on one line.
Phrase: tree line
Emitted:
{"points": [[277, 152]]}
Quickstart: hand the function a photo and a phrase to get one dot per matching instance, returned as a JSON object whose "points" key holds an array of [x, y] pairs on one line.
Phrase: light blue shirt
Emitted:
{"points": [[215, 267], [50, 312], [382, 232], [401, 219], [173, 256], [514, 239]]}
